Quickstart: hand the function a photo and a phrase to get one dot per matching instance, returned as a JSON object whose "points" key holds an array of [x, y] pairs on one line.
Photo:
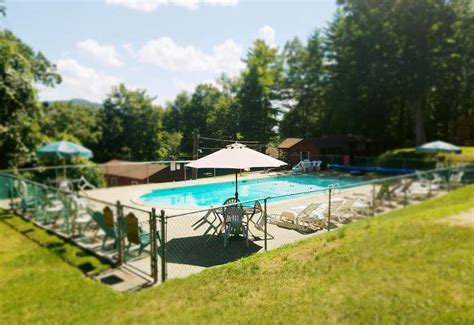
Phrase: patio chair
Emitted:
{"points": [[49, 207], [234, 224], [135, 234], [102, 219], [455, 180], [81, 218], [29, 199], [259, 224], [212, 220]]}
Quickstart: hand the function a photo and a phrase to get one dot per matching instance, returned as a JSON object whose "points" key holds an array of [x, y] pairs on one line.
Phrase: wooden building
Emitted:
{"points": [[294, 150], [349, 144], [123, 173], [461, 131]]}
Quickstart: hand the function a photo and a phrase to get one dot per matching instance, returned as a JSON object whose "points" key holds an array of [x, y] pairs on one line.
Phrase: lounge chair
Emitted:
{"points": [[319, 218], [290, 220], [345, 211]]}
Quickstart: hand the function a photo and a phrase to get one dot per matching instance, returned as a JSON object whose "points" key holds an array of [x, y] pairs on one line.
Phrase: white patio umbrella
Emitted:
{"points": [[438, 147], [236, 156]]}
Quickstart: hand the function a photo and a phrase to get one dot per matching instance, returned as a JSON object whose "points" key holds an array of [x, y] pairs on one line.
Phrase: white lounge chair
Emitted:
{"points": [[290, 219]]}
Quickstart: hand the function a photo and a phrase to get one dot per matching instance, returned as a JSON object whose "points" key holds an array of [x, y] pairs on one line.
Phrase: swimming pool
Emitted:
{"points": [[214, 194]]}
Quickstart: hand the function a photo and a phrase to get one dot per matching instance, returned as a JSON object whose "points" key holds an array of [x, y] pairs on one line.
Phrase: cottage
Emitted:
{"points": [[123, 173], [294, 150]]}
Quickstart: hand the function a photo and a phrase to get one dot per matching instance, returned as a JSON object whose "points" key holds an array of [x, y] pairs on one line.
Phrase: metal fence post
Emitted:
{"points": [[329, 209], [429, 187], [119, 232], [373, 199], [163, 246], [12, 204], [35, 198], [154, 251], [265, 220], [405, 189], [449, 179]]}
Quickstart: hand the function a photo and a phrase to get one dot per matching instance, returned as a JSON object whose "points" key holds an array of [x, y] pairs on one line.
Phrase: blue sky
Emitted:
{"points": [[163, 46]]}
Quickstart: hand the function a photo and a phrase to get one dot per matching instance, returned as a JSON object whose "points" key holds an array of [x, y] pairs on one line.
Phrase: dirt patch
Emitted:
{"points": [[464, 219]]}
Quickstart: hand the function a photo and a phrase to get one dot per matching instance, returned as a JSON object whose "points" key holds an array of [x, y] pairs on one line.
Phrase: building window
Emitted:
{"points": [[113, 181], [304, 155]]}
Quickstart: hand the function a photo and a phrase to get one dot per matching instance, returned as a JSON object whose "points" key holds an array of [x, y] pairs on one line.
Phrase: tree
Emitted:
{"points": [[20, 69], [132, 128], [65, 120], [303, 75], [256, 114]]}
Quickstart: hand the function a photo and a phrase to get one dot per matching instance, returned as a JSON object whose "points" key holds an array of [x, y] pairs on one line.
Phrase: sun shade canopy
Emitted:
{"points": [[236, 156], [438, 147], [63, 149]]}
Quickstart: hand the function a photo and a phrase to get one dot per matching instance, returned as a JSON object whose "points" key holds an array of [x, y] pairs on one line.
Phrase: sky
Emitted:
{"points": [[162, 46]]}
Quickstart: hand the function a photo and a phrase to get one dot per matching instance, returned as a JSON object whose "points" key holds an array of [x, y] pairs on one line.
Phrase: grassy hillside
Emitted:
{"points": [[467, 155], [405, 266]]}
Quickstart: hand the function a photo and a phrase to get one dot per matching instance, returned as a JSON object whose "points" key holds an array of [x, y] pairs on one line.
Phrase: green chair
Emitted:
{"points": [[102, 219], [135, 234]]}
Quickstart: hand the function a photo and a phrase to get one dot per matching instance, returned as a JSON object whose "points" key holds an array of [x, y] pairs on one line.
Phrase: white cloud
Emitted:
{"points": [[152, 5], [80, 82], [267, 34], [165, 53], [105, 54]]}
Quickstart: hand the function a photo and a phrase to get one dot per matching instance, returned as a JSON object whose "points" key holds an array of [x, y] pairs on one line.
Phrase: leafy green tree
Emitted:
{"points": [[303, 75], [69, 121], [256, 114], [20, 70], [132, 127]]}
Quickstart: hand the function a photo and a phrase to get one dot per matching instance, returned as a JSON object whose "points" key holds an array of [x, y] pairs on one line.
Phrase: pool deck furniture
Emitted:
{"points": [[290, 220], [104, 221], [235, 224]]}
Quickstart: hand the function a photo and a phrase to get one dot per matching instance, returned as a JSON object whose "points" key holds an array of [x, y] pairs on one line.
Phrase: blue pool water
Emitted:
{"points": [[215, 194]]}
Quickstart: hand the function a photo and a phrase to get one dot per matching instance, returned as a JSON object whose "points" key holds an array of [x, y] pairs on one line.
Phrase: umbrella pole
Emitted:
{"points": [[236, 189]]}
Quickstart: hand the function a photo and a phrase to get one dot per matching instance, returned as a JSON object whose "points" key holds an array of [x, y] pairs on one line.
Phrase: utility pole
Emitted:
{"points": [[195, 150]]}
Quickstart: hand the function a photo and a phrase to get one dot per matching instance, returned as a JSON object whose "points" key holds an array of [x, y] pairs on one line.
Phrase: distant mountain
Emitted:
{"points": [[78, 101]]}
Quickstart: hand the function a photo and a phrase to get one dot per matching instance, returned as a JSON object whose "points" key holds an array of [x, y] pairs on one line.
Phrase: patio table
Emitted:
{"points": [[247, 212]]}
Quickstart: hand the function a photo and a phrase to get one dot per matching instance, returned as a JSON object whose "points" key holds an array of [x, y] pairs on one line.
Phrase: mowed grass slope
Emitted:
{"points": [[466, 156], [405, 266]]}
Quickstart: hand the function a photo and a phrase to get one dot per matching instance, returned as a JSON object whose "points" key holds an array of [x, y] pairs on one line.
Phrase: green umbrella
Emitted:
{"points": [[438, 147], [63, 149]]}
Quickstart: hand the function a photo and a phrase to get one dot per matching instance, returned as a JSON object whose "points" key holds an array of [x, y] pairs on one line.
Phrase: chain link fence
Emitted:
{"points": [[176, 243], [203, 238]]}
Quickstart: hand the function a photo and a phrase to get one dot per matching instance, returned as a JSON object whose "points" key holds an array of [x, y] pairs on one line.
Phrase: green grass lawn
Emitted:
{"points": [[467, 155], [404, 267]]}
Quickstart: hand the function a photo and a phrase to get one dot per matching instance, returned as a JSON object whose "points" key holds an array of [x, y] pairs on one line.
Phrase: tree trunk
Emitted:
{"points": [[419, 125]]}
